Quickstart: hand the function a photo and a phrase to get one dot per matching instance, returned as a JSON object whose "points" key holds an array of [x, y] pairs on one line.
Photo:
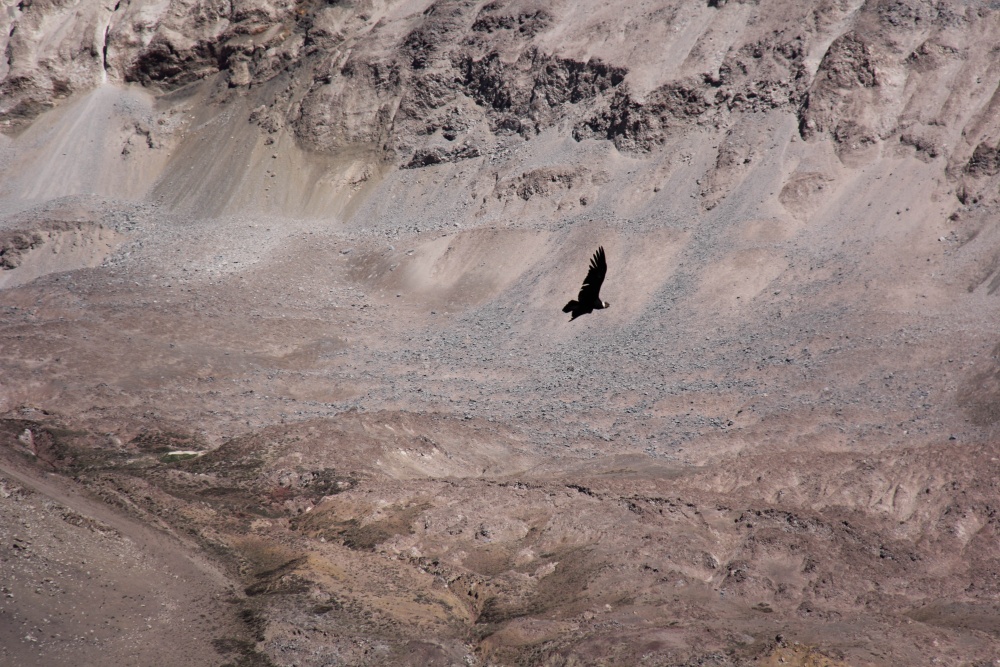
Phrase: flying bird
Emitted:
{"points": [[589, 299]]}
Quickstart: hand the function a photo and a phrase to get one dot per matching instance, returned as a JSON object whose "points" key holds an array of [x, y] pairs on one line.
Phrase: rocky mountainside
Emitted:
{"points": [[280, 292]]}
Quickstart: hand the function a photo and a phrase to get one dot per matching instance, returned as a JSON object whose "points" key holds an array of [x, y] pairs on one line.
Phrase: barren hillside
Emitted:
{"points": [[283, 367]]}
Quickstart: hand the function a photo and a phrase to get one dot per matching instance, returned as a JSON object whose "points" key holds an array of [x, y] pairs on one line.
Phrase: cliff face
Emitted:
{"points": [[415, 84], [286, 278]]}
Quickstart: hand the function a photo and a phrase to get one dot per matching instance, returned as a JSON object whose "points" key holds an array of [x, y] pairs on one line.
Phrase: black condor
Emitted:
{"points": [[589, 299]]}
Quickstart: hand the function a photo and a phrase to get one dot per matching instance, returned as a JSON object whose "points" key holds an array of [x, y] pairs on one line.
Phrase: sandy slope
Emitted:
{"points": [[333, 255], [85, 585]]}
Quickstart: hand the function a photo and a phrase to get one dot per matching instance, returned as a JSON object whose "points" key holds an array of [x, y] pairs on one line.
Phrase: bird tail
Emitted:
{"points": [[571, 305]]}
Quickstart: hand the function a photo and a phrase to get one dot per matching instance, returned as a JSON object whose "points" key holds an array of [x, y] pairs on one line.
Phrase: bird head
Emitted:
{"points": [[606, 304]]}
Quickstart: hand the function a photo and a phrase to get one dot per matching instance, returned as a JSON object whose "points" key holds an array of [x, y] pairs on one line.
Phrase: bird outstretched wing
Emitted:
{"points": [[591, 291]]}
